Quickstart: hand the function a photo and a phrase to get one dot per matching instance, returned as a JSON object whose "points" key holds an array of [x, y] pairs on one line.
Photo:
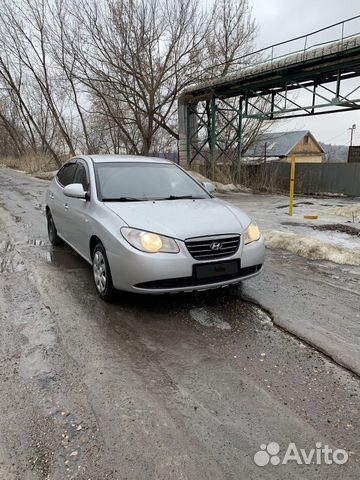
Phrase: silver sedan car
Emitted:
{"points": [[145, 225]]}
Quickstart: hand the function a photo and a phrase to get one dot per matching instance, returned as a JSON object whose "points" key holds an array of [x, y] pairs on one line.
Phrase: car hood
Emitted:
{"points": [[183, 218]]}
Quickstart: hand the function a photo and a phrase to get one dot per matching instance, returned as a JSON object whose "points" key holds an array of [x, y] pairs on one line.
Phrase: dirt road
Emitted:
{"points": [[172, 387]]}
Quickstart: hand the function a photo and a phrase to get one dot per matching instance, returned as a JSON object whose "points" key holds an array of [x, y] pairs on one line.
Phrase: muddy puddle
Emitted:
{"points": [[62, 257], [297, 204], [220, 312]]}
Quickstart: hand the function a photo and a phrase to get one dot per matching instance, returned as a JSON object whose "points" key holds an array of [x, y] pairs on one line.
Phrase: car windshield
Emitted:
{"points": [[126, 181]]}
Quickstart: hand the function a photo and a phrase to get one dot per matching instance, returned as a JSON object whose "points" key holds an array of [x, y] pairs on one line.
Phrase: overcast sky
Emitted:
{"points": [[280, 20]]}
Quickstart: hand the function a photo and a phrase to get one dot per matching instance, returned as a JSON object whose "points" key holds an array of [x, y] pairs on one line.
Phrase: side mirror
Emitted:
{"points": [[209, 187], [75, 190]]}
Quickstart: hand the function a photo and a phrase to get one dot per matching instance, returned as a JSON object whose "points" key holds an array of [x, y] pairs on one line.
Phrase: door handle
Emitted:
{"points": [[52, 196], [66, 207]]}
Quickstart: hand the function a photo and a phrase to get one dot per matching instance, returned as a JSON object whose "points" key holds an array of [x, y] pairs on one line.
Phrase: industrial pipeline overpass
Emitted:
{"points": [[218, 117]]}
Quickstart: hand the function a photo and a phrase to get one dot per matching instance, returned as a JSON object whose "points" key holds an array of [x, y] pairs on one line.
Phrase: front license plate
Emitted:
{"points": [[217, 269]]}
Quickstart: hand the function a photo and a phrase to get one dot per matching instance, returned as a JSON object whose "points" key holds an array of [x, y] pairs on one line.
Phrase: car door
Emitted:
{"points": [[79, 212], [57, 201]]}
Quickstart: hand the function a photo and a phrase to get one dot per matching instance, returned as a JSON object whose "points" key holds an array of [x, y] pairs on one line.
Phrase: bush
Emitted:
{"points": [[30, 163]]}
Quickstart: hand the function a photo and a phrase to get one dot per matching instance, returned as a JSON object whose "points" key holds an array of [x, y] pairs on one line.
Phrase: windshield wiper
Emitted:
{"points": [[132, 199], [123, 199], [179, 197]]}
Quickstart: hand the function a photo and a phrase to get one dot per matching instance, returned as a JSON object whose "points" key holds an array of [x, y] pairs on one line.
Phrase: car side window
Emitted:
{"points": [[81, 176], [66, 174]]}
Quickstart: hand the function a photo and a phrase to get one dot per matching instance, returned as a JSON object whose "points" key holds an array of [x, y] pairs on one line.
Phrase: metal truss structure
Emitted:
{"points": [[311, 81]]}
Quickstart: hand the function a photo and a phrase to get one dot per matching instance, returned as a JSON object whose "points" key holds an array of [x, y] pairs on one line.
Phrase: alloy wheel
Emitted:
{"points": [[99, 269]]}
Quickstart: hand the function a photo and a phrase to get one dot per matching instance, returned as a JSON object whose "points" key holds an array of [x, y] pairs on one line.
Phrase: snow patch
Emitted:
{"points": [[350, 211], [310, 248], [262, 316], [220, 187], [209, 319], [225, 188]]}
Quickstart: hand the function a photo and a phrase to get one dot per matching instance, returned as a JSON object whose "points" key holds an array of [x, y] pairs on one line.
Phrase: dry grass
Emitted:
{"points": [[29, 163]]}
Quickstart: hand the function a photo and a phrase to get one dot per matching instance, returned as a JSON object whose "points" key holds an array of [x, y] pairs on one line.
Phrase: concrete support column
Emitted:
{"points": [[183, 129]]}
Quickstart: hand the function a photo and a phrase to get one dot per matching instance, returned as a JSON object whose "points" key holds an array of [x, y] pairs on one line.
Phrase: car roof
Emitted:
{"points": [[127, 158]]}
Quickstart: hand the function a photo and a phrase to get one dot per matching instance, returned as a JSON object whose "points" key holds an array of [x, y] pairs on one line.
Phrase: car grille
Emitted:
{"points": [[207, 248]]}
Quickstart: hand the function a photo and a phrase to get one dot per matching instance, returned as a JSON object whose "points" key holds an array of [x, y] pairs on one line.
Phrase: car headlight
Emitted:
{"points": [[149, 242], [252, 233]]}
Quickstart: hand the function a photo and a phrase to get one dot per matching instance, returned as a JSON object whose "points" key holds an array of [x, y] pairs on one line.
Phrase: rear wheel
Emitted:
{"points": [[102, 274], [52, 232]]}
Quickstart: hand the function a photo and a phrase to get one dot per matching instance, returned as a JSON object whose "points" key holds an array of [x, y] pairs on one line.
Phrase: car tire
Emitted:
{"points": [[102, 274], [52, 232]]}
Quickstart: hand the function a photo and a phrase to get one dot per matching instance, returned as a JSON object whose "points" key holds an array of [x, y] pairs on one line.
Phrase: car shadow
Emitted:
{"points": [[67, 259], [210, 298]]}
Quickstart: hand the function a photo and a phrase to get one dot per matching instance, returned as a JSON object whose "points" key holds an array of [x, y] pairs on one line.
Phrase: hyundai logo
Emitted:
{"points": [[215, 246]]}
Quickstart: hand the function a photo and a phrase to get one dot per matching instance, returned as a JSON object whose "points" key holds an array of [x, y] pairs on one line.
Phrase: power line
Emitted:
{"points": [[336, 136]]}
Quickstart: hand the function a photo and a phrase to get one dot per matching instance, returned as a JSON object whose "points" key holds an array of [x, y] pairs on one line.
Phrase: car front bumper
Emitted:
{"points": [[136, 271]]}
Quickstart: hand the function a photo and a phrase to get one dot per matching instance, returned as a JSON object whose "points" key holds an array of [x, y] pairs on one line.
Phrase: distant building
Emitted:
{"points": [[281, 146]]}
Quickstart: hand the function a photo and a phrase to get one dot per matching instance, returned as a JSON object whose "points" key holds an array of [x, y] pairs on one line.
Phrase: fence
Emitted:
{"points": [[354, 154], [311, 178]]}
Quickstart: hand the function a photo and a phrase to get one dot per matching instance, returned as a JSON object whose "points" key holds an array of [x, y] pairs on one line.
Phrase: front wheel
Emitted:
{"points": [[102, 274], [52, 232]]}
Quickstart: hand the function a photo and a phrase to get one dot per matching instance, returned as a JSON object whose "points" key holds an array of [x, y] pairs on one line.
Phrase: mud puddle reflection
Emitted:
{"points": [[62, 257]]}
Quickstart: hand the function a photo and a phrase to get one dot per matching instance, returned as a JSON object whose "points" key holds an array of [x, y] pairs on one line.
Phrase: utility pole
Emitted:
{"points": [[292, 185], [352, 133]]}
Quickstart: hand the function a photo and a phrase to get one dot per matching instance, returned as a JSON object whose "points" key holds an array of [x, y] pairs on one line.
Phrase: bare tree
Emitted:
{"points": [[93, 76], [30, 68], [230, 36], [140, 59]]}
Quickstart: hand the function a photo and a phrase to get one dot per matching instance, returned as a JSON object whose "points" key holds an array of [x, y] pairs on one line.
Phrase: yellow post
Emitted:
{"points": [[292, 185]]}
